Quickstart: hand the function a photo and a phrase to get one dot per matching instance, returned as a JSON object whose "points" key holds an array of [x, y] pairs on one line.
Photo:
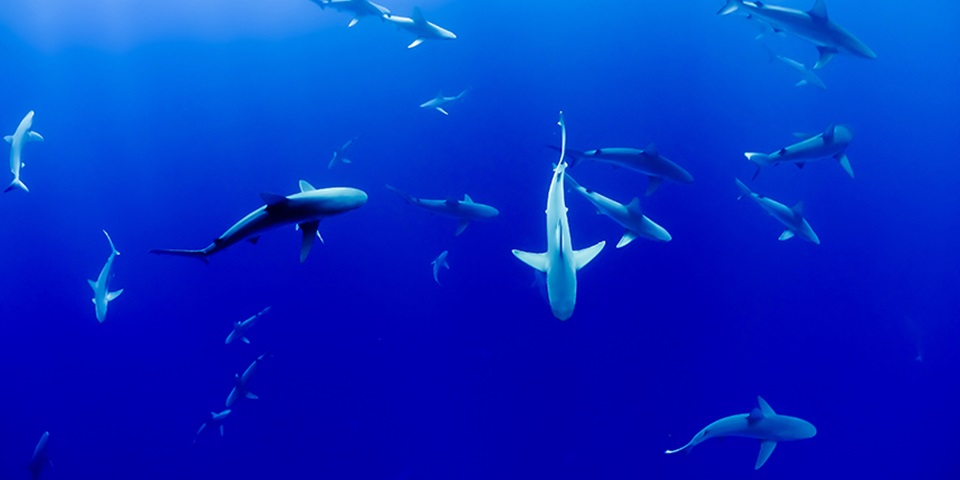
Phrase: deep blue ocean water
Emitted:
{"points": [[163, 123]]}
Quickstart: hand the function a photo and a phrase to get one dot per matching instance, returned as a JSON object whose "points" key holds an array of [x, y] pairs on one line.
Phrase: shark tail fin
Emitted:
{"points": [[198, 254], [730, 7], [16, 183], [405, 196], [685, 448]]}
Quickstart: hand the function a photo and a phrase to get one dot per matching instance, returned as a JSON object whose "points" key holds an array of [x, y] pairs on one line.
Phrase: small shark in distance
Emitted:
{"points": [[40, 459], [813, 26], [647, 161], [305, 209], [809, 76], [629, 216], [440, 261], [240, 328], [762, 424], [831, 143], [338, 154], [102, 295], [215, 421], [440, 102], [419, 26], [20, 137], [359, 8], [465, 210], [790, 217], [240, 382]]}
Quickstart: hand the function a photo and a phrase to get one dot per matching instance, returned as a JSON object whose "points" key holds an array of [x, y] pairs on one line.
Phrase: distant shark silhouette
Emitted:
{"points": [[831, 143], [790, 217], [419, 26], [20, 137], [102, 295], [359, 8], [465, 210]]}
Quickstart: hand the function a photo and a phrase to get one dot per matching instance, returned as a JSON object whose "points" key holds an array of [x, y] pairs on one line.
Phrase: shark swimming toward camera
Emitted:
{"points": [[762, 424], [215, 421], [20, 137], [240, 328], [305, 209], [40, 459], [813, 26], [338, 154], [440, 261], [790, 217], [440, 102], [240, 382], [831, 143], [102, 296], [419, 26], [560, 262], [647, 161], [629, 216], [465, 210], [359, 8]]}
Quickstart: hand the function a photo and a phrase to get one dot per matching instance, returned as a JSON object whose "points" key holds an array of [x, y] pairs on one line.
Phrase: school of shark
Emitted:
{"points": [[562, 258]]}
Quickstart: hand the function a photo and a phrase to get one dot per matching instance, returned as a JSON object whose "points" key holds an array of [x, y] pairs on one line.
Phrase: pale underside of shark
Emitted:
{"points": [[359, 9], [629, 216], [20, 137], [305, 209], [440, 102], [831, 143], [465, 210], [647, 161], [102, 296], [440, 261], [419, 26], [240, 382], [791, 218], [762, 423]]}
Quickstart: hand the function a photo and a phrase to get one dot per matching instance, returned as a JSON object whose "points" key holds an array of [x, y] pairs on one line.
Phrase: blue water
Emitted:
{"points": [[163, 123]]}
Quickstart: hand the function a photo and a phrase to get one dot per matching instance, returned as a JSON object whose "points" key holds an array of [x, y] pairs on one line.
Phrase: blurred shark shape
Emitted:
{"points": [[419, 26], [102, 295], [240, 382], [215, 421], [629, 216], [790, 217], [465, 210], [440, 261], [831, 143], [40, 460], [338, 154], [440, 102], [240, 328], [20, 137], [647, 161], [359, 8]]}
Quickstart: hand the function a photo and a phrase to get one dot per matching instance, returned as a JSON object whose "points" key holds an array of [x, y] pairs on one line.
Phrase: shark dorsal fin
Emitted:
{"points": [[651, 150], [272, 199], [467, 199], [765, 407], [755, 416], [797, 208], [419, 18], [635, 207], [819, 10], [306, 187], [828, 133]]}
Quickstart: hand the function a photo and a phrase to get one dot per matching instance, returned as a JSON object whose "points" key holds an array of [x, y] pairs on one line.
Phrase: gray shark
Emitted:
{"points": [[647, 161], [762, 424], [440, 102], [809, 76], [305, 209], [102, 295], [560, 262], [629, 216], [40, 460], [831, 143], [240, 382], [465, 210], [359, 8], [813, 26], [419, 26], [790, 217], [440, 261], [20, 137], [338, 154], [240, 328], [215, 421]]}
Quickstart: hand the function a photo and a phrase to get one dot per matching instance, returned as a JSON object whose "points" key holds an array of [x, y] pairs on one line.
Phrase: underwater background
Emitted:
{"points": [[163, 122]]}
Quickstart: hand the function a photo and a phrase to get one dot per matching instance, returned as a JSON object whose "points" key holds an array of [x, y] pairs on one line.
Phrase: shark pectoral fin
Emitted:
{"points": [[786, 235], [826, 54], [113, 295], [8, 138], [353, 22], [252, 396], [634, 207], [441, 110], [801, 83], [416, 42], [309, 232], [92, 284], [246, 340], [536, 260], [582, 257], [34, 136], [845, 163], [221, 430], [463, 226], [819, 11], [766, 448], [627, 237], [346, 161], [467, 199], [653, 184]]}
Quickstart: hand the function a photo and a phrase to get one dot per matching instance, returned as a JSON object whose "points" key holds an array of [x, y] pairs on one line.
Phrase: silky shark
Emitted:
{"points": [[762, 424], [240, 328], [40, 459], [338, 154], [20, 137], [647, 161], [629, 216], [790, 217], [419, 26], [240, 382], [440, 261], [102, 295], [560, 262], [440, 102], [813, 26], [465, 210], [809, 76], [305, 209], [831, 143], [359, 8], [215, 421]]}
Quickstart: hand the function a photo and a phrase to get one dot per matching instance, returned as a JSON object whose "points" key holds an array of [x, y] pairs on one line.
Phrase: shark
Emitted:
{"points": [[40, 460], [240, 382], [440, 102], [359, 8], [338, 154], [20, 137], [440, 261], [647, 161], [813, 26], [240, 328], [790, 217], [102, 296], [419, 26], [560, 262], [762, 423], [215, 421], [629, 216], [305, 209], [809, 76], [465, 210], [831, 143]]}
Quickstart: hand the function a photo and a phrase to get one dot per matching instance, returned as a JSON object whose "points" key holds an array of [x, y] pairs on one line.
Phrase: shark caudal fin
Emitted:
{"points": [[198, 254], [16, 183], [730, 7], [405, 196], [685, 448]]}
